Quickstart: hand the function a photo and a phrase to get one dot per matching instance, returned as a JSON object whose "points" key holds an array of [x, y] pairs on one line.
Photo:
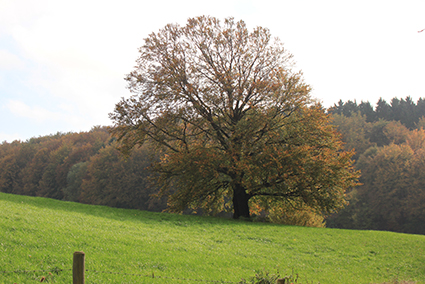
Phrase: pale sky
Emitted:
{"points": [[62, 63]]}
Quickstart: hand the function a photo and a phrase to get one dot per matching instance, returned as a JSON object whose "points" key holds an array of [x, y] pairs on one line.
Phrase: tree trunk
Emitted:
{"points": [[240, 201]]}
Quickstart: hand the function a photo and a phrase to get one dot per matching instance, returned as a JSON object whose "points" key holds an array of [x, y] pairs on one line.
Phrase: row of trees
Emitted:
{"points": [[83, 167], [391, 158], [406, 111], [87, 167]]}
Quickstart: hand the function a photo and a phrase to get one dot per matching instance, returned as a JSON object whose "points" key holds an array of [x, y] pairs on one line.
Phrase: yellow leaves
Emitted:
{"points": [[294, 212], [164, 158], [416, 139]]}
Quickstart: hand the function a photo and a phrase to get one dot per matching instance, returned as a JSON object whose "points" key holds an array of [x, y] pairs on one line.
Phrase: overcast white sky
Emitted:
{"points": [[62, 63]]}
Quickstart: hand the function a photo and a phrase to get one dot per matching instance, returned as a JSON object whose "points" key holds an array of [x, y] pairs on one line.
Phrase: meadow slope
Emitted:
{"points": [[39, 235]]}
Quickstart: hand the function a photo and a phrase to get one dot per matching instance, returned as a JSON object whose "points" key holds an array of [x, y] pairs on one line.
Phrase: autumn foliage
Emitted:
{"points": [[392, 161], [231, 120], [86, 167], [83, 167]]}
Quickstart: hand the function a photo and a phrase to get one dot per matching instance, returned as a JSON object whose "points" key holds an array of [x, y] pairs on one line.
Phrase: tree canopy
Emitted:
{"points": [[391, 159], [403, 110], [81, 167], [232, 121]]}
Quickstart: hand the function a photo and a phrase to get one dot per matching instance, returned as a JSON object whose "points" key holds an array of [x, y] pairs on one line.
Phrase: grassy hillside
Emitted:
{"points": [[123, 246]]}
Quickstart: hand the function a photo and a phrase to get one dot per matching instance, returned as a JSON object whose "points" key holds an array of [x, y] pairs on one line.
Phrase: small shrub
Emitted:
{"points": [[264, 277], [397, 281]]}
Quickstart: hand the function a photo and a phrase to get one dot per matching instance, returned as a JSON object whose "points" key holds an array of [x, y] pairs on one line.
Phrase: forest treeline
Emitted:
{"points": [[86, 167], [389, 141], [406, 111]]}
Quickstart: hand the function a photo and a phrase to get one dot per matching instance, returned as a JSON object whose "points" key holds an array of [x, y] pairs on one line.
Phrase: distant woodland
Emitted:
{"points": [[388, 140], [83, 167]]}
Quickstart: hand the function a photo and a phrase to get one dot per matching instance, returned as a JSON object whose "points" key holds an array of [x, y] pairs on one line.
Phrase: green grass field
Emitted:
{"points": [[39, 235]]}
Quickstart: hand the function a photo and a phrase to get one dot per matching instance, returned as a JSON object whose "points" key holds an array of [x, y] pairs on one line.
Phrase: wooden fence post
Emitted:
{"points": [[78, 268]]}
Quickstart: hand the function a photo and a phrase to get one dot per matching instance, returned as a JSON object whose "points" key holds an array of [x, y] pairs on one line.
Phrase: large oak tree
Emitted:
{"points": [[232, 121]]}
